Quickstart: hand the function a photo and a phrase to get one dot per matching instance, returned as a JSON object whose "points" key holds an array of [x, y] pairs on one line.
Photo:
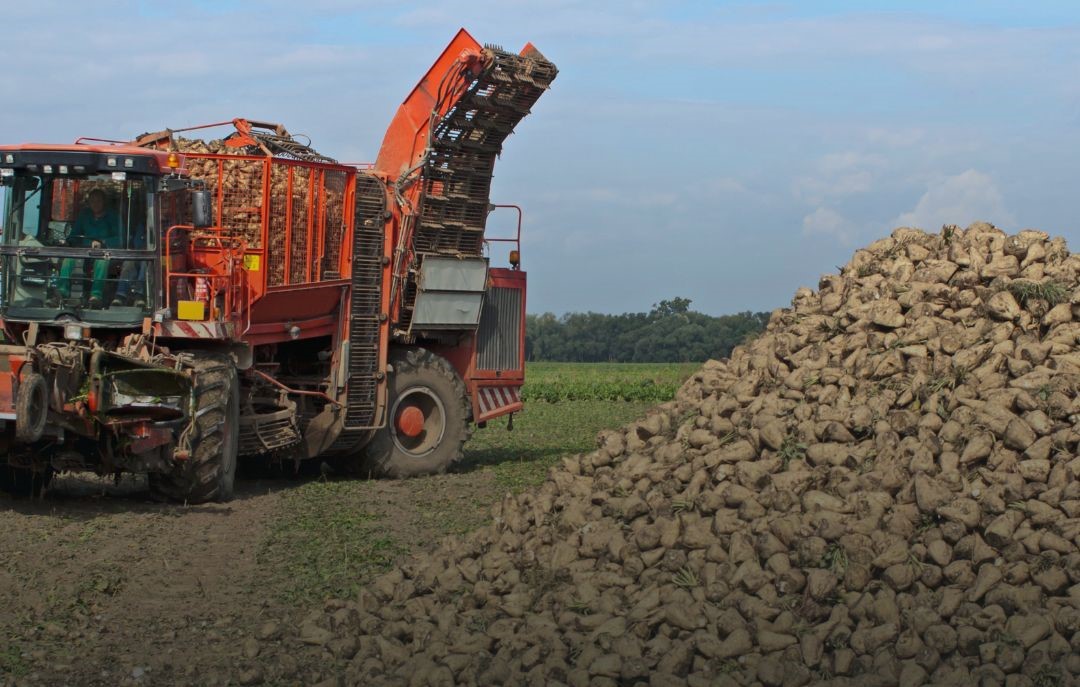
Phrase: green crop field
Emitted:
{"points": [[556, 382], [333, 534], [566, 404]]}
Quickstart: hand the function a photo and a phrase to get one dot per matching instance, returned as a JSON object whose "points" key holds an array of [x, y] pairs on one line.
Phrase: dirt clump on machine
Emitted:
{"points": [[879, 490]]}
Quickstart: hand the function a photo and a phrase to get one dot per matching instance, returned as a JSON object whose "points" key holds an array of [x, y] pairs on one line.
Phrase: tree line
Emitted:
{"points": [[669, 333]]}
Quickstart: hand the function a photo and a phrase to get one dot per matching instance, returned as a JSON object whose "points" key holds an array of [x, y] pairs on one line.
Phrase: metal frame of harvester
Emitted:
{"points": [[298, 308]]}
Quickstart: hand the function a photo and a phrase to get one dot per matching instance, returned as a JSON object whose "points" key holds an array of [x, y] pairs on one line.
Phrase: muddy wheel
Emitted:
{"points": [[429, 419], [31, 408], [210, 471]]}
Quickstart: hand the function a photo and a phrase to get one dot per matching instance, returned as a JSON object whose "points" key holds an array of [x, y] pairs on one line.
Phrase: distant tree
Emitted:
{"points": [[675, 306], [670, 332]]}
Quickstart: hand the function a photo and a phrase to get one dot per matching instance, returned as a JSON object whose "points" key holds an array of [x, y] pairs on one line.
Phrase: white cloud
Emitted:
{"points": [[839, 174], [959, 199], [828, 222]]}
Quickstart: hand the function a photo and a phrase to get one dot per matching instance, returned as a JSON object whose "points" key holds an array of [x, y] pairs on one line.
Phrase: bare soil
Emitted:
{"points": [[101, 585]]}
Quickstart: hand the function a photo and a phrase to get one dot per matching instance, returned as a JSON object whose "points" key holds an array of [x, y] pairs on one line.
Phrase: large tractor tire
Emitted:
{"points": [[429, 419], [210, 471]]}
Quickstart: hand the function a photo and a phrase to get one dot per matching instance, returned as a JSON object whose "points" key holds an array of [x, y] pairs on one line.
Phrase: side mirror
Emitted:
{"points": [[202, 209]]}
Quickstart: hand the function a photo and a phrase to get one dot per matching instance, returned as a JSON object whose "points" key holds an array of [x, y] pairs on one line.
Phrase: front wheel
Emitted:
{"points": [[209, 472], [428, 423]]}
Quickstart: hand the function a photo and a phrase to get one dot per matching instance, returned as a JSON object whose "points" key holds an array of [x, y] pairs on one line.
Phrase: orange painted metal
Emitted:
{"points": [[406, 138], [7, 392], [118, 149], [463, 356], [309, 296], [286, 250], [516, 240], [220, 265], [410, 421], [242, 138], [312, 201]]}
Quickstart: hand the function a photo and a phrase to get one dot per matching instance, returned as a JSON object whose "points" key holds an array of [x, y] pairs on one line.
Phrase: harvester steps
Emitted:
{"points": [[365, 303]]}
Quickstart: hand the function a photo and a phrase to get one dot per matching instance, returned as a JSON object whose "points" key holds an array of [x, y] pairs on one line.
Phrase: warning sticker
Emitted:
{"points": [[251, 262]]}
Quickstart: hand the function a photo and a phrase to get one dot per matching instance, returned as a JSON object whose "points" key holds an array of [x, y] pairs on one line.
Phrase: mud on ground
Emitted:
{"points": [[101, 585]]}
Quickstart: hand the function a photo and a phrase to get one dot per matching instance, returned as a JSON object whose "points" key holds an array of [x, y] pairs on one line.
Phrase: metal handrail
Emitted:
{"points": [[517, 237], [232, 283]]}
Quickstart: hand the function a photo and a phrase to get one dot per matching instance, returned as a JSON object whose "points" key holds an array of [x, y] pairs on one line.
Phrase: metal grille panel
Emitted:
{"points": [[365, 301], [301, 210], [242, 198], [275, 256], [237, 187], [334, 231], [499, 337]]}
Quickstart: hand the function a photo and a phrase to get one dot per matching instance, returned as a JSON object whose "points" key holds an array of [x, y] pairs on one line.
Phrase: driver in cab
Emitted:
{"points": [[97, 226]]}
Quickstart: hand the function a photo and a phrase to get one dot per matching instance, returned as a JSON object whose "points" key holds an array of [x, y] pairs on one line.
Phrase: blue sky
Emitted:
{"points": [[724, 152]]}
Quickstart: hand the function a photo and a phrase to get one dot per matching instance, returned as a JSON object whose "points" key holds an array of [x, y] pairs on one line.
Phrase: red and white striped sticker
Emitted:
{"points": [[193, 330], [491, 398]]}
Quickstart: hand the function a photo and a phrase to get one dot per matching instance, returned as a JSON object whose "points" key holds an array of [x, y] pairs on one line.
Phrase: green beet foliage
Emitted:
{"points": [[557, 382]]}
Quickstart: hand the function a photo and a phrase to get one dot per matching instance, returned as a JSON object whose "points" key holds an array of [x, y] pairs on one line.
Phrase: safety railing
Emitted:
{"points": [[516, 240], [226, 277]]}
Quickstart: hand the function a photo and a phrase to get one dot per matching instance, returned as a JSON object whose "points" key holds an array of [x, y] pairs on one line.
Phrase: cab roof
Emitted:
{"points": [[150, 160]]}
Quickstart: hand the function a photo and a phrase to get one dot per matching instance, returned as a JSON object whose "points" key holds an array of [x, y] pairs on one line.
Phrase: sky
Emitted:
{"points": [[726, 152]]}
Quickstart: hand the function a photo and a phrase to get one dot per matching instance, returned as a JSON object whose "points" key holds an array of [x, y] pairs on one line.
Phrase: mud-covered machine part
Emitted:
{"points": [[268, 427]]}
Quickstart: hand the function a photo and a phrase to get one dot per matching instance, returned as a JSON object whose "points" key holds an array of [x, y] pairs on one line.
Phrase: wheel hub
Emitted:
{"points": [[419, 421], [410, 421]]}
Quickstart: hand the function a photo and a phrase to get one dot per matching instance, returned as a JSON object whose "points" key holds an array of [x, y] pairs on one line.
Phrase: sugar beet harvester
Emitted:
{"points": [[175, 304]]}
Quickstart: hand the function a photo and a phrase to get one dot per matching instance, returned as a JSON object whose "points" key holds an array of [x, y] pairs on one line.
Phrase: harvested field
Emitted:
{"points": [[880, 490], [103, 586]]}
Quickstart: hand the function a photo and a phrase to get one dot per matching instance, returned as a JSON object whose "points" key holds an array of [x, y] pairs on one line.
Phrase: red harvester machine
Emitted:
{"points": [[175, 304]]}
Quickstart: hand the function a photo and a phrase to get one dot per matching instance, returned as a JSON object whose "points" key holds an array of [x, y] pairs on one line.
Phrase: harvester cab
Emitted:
{"points": [[69, 235]]}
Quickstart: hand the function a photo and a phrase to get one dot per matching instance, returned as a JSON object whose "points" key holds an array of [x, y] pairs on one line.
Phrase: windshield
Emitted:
{"points": [[80, 245]]}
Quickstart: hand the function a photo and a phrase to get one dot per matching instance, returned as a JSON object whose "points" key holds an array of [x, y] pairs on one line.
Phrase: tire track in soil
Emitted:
{"points": [[103, 586]]}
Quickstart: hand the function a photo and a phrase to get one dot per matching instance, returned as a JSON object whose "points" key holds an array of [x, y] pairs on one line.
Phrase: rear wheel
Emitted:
{"points": [[429, 419], [209, 472]]}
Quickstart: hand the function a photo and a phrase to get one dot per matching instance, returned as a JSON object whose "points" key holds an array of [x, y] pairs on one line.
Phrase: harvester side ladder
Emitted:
{"points": [[365, 303]]}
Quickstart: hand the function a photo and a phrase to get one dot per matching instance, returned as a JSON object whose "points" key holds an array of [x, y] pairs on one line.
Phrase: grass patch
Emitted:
{"points": [[325, 543], [11, 662], [566, 405], [1025, 291], [330, 537], [542, 435], [791, 449]]}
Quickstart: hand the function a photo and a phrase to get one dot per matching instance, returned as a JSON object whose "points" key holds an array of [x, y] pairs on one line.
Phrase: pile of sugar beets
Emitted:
{"points": [[881, 489]]}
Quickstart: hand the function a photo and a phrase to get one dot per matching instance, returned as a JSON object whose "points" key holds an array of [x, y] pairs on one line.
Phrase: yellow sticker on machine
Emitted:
{"points": [[252, 262], [190, 310]]}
